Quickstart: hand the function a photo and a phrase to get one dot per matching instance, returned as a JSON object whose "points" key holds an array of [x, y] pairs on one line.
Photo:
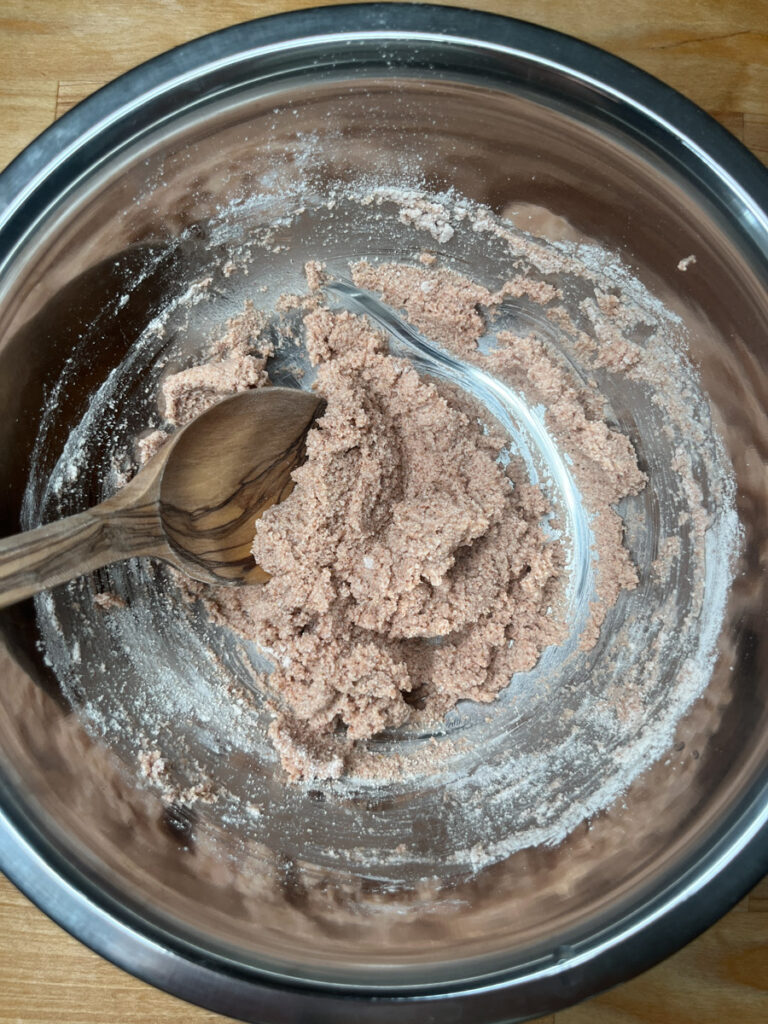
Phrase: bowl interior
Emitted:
{"points": [[84, 295]]}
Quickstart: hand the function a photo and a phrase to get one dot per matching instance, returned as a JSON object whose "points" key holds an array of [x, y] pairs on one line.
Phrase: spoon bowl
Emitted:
{"points": [[223, 471]]}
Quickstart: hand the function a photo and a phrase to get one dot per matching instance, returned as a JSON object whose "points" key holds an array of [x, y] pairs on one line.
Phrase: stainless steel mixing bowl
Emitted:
{"points": [[101, 219]]}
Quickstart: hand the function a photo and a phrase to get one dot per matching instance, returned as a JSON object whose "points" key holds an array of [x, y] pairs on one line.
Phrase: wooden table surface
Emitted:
{"points": [[55, 52]]}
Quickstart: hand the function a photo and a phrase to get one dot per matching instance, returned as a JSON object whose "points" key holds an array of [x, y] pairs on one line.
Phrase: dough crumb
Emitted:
{"points": [[150, 445], [316, 274], [237, 362], [108, 601]]}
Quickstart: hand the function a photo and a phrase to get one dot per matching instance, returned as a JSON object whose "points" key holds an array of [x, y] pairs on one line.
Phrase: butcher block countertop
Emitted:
{"points": [[55, 52]]}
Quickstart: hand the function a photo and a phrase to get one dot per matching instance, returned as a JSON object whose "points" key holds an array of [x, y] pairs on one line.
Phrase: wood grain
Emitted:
{"points": [[47, 977], [202, 492], [55, 52]]}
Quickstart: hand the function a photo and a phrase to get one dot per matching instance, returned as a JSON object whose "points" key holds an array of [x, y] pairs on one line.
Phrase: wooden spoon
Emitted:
{"points": [[194, 504]]}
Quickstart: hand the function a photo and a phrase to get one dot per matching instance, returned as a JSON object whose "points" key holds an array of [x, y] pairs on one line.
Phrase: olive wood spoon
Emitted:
{"points": [[194, 504]]}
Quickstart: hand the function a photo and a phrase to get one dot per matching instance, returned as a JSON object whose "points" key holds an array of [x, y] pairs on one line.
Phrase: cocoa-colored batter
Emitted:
{"points": [[402, 530], [409, 569]]}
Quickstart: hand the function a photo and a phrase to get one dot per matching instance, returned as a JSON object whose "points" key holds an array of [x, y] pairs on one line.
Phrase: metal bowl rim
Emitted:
{"points": [[732, 865]]}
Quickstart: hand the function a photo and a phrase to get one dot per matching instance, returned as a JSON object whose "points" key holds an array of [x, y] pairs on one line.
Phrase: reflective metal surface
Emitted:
{"points": [[95, 211]]}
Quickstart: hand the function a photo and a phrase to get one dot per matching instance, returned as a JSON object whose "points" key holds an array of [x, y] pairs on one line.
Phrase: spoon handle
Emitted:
{"points": [[58, 552]]}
